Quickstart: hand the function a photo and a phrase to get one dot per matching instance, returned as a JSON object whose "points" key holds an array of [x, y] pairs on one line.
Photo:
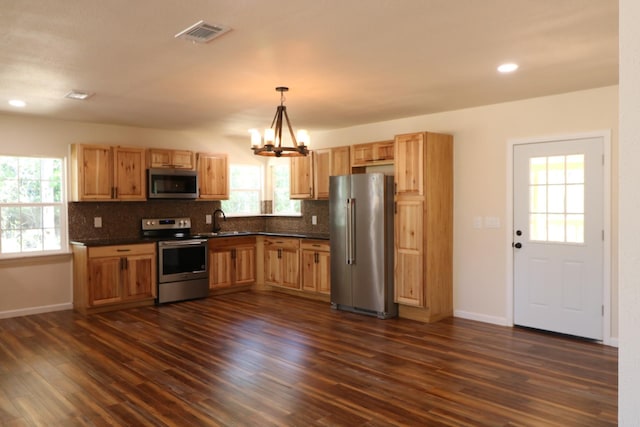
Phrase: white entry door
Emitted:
{"points": [[558, 236]]}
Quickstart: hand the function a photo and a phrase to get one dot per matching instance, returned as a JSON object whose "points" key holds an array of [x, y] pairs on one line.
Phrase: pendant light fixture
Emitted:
{"points": [[270, 144]]}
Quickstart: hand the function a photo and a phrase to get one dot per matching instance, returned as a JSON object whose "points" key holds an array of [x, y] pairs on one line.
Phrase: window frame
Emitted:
{"points": [[260, 190], [62, 225]]}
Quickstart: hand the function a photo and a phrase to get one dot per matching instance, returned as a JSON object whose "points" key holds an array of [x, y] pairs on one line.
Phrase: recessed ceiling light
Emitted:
{"points": [[79, 95], [17, 103], [508, 67]]}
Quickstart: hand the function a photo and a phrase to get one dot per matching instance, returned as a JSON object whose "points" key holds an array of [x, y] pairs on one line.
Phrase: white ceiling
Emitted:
{"points": [[347, 62]]}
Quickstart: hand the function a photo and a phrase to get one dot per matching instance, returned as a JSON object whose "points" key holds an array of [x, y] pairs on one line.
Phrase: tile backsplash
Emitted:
{"points": [[122, 219]]}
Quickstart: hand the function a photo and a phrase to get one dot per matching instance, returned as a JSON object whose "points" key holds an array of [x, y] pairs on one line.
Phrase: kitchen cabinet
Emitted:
{"points": [[329, 162], [301, 177], [113, 277], [232, 262], [213, 176], [178, 159], [424, 225], [281, 262], [103, 172], [316, 266], [372, 153]]}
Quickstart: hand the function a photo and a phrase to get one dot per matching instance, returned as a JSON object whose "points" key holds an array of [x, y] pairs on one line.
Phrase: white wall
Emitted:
{"points": [[629, 267], [480, 165]]}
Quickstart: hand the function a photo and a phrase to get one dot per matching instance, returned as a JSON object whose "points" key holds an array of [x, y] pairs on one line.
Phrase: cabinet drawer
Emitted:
{"points": [[284, 242], [315, 245], [220, 242], [122, 250]]}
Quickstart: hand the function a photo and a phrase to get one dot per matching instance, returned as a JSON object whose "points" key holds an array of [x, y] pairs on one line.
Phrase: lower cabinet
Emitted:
{"points": [[232, 262], [316, 266], [281, 262], [113, 277]]}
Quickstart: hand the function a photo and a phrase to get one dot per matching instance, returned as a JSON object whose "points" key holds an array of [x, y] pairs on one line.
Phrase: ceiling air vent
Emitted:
{"points": [[201, 32]]}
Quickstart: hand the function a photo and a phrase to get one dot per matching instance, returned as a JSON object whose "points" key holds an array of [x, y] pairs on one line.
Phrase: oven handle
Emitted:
{"points": [[184, 243]]}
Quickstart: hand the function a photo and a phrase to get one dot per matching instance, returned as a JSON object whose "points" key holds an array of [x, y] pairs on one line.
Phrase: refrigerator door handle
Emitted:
{"points": [[347, 235], [351, 231]]}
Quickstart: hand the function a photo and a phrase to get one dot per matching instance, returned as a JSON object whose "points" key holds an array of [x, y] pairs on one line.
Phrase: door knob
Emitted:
{"points": [[517, 245]]}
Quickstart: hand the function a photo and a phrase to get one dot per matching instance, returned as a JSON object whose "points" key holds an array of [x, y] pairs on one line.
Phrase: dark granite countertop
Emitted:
{"points": [[139, 240]]}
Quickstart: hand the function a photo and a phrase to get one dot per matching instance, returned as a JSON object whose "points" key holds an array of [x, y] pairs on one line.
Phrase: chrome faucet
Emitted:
{"points": [[217, 227]]}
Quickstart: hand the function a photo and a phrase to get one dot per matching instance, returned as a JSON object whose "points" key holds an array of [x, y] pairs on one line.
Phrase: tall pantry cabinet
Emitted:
{"points": [[424, 225]]}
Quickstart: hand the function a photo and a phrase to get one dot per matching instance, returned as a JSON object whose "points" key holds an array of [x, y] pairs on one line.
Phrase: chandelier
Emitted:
{"points": [[271, 144]]}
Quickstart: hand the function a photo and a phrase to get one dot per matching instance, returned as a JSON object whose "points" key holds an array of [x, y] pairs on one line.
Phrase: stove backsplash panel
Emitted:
{"points": [[121, 220]]}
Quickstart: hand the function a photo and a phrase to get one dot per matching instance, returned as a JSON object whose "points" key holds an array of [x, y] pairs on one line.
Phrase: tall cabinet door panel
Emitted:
{"points": [[409, 253], [409, 164], [301, 177], [290, 268], [213, 176]]}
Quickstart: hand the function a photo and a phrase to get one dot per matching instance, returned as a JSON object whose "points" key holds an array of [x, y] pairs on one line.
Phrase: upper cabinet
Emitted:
{"points": [[102, 172], [301, 177], [213, 176], [372, 153], [329, 162], [178, 159]]}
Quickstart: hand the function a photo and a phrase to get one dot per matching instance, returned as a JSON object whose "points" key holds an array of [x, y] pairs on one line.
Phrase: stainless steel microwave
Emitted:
{"points": [[172, 184]]}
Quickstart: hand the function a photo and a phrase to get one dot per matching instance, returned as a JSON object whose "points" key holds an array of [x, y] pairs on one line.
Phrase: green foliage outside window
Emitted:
{"points": [[31, 203]]}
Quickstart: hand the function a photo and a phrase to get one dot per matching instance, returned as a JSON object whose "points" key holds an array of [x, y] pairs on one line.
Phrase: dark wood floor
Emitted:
{"points": [[259, 359]]}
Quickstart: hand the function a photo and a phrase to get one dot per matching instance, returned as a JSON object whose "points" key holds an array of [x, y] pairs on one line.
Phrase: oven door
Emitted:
{"points": [[180, 260]]}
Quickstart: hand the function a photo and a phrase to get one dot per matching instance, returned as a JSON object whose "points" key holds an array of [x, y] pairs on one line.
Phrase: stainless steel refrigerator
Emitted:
{"points": [[361, 232]]}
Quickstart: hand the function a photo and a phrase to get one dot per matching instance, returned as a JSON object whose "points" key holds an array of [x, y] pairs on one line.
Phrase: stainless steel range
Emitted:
{"points": [[183, 268]]}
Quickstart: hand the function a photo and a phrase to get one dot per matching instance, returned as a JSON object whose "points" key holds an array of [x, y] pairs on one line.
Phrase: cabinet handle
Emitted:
{"points": [[316, 258], [123, 250], [279, 253]]}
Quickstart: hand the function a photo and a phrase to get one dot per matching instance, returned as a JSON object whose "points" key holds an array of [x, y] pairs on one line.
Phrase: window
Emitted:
{"points": [[32, 205], [245, 185], [556, 198], [282, 204]]}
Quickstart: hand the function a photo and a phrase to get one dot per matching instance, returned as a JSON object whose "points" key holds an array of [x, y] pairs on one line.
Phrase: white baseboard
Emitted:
{"points": [[35, 310], [481, 318]]}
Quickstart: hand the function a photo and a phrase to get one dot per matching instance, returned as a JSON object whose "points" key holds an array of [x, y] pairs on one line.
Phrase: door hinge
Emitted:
{"points": [[603, 309], [603, 235]]}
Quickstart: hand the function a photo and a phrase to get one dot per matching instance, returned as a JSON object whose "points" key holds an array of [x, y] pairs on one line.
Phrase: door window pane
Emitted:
{"points": [[556, 198]]}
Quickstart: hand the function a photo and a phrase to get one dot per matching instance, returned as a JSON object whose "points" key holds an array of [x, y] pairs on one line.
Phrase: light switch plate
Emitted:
{"points": [[491, 222], [207, 219], [97, 221], [314, 220]]}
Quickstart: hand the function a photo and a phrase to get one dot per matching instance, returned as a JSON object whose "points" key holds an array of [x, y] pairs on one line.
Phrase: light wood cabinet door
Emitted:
{"points": [[129, 173], [372, 153], [177, 159], [105, 280], [245, 265], [272, 265], [409, 164], [340, 161], [290, 268], [316, 271], [221, 266], [92, 172], [322, 170], [213, 176], [409, 252], [301, 177], [282, 262], [139, 278]]}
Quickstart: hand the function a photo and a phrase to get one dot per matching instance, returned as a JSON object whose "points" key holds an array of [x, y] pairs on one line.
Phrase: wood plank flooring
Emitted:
{"points": [[263, 359]]}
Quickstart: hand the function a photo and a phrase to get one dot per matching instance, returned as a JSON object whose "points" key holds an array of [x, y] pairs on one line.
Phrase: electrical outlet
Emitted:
{"points": [[97, 221], [314, 220], [207, 219]]}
